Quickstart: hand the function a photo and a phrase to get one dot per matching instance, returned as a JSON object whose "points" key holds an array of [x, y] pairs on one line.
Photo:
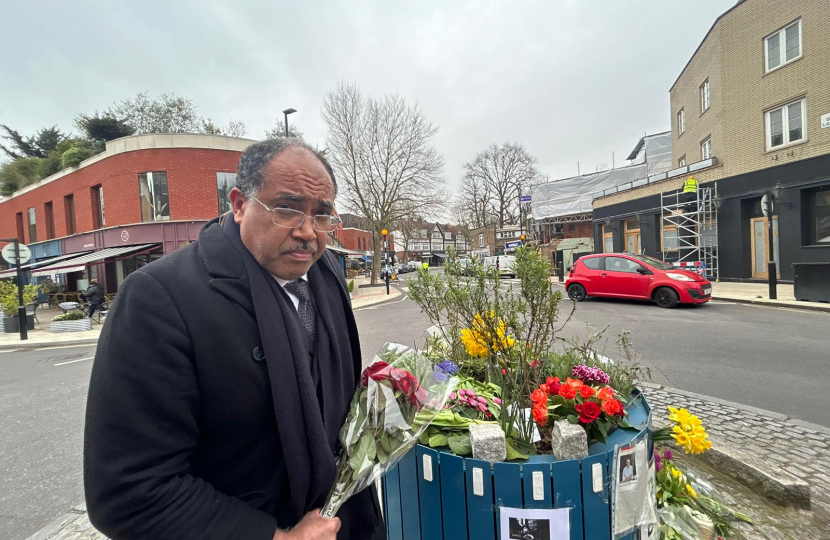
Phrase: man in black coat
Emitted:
{"points": [[95, 296], [225, 371]]}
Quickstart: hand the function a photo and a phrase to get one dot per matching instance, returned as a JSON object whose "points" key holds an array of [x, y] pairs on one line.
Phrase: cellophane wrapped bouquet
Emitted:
{"points": [[398, 396]]}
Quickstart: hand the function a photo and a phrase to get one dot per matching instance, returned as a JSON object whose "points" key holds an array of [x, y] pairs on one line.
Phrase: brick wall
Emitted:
{"points": [[356, 239], [191, 177], [582, 229], [741, 92]]}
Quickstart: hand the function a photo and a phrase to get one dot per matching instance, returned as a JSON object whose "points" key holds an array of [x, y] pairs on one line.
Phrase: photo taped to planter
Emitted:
{"points": [[537, 524]]}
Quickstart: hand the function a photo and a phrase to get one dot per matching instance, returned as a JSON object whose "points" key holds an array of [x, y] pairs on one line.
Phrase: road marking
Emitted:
{"points": [[73, 361], [381, 305]]}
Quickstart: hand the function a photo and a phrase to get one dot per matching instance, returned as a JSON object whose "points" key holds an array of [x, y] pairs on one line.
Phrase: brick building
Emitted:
{"points": [[145, 196], [750, 111]]}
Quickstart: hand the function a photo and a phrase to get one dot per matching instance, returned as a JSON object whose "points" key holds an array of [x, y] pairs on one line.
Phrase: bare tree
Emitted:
{"points": [[493, 181], [381, 150], [408, 228], [473, 206], [278, 131]]}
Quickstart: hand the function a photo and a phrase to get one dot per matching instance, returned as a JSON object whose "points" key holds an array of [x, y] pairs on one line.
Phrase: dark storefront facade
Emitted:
{"points": [[803, 221]]}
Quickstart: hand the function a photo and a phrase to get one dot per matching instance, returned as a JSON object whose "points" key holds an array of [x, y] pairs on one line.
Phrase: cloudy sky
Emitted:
{"points": [[572, 80]]}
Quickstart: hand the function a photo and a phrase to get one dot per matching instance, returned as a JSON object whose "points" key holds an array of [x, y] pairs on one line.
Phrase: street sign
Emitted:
{"points": [[25, 253], [825, 121], [512, 245], [524, 198]]}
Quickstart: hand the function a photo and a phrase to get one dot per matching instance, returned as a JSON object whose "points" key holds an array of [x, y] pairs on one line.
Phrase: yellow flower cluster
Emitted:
{"points": [[480, 340], [689, 432]]}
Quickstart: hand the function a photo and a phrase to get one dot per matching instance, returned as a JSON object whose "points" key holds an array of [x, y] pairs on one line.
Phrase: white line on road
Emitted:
{"points": [[73, 361], [381, 305], [65, 347]]}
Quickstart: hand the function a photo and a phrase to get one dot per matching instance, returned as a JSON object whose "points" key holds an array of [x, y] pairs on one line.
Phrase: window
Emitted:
{"points": [[670, 241], [97, 193], [681, 122], [481, 240], [225, 182], [32, 225], [20, 231], [818, 211], [49, 219], [706, 149], [592, 263], [620, 264], [155, 201], [785, 125], [704, 96], [783, 46], [681, 162], [69, 212]]}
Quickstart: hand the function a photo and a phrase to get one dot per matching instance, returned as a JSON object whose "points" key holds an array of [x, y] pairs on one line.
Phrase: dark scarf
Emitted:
{"points": [[308, 426]]}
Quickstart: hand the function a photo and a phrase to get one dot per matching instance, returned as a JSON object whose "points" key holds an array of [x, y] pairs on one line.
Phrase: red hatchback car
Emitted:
{"points": [[620, 275]]}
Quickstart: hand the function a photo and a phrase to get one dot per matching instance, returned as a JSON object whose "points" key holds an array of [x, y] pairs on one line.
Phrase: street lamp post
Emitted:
{"points": [[286, 112], [384, 232], [21, 309], [774, 194]]}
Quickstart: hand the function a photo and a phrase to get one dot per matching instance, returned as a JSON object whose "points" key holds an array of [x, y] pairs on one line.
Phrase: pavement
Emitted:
{"points": [[758, 293]]}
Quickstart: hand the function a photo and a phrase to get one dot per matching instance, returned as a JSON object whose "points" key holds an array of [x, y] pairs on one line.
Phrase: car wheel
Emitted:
{"points": [[665, 297], [576, 292]]}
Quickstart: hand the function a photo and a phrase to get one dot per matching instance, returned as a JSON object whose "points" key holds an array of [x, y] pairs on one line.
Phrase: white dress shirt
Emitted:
{"points": [[283, 282]]}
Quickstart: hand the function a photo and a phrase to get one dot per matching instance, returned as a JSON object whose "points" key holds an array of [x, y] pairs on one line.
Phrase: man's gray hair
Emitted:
{"points": [[255, 158]]}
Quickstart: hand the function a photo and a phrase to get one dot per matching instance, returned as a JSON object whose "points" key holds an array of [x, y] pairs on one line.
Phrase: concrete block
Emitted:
{"points": [[569, 441], [488, 442]]}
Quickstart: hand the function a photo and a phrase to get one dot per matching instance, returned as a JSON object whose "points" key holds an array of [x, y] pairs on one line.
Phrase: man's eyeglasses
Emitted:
{"points": [[291, 219]]}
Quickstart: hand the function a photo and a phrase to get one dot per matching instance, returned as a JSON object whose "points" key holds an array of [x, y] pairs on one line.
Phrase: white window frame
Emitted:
{"points": [[681, 162], [480, 239], [782, 48], [681, 122], [705, 98], [786, 125], [706, 148]]}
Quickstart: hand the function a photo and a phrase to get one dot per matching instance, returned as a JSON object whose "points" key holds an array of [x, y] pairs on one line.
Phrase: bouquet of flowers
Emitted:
{"points": [[687, 506], [399, 394], [586, 400]]}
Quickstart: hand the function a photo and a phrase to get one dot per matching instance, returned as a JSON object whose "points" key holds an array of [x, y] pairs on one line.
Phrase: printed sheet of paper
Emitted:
{"points": [[634, 489], [547, 524]]}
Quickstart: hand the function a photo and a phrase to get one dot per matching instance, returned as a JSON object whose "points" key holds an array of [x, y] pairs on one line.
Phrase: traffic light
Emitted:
{"points": [[522, 238], [384, 232]]}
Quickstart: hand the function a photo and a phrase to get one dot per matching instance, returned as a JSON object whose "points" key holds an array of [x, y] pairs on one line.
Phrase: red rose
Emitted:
{"points": [[540, 413], [376, 371], [567, 391], [539, 396], [552, 380], [586, 391], [613, 407], [588, 412], [605, 393], [574, 383], [553, 388]]}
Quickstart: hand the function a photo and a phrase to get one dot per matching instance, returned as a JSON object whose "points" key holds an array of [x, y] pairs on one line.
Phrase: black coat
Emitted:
{"points": [[181, 438]]}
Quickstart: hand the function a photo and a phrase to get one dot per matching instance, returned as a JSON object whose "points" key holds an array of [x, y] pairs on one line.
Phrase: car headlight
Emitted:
{"points": [[678, 277]]}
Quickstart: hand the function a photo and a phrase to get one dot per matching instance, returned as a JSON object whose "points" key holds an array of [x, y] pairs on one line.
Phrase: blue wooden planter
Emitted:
{"points": [[436, 504]]}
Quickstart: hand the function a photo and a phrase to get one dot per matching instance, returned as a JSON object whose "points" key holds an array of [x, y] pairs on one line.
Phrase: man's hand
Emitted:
{"points": [[313, 526]]}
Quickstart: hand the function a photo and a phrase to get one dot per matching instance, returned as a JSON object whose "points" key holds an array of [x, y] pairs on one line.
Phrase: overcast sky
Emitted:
{"points": [[572, 80]]}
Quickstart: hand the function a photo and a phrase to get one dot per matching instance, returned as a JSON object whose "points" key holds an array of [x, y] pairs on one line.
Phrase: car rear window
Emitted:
{"points": [[592, 263]]}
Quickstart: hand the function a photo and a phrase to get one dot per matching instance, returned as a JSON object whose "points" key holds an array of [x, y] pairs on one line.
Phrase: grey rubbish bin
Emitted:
{"points": [[811, 281]]}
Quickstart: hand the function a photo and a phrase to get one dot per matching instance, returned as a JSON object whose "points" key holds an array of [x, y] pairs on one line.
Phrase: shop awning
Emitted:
{"points": [[441, 255], [76, 265], [348, 252], [13, 271]]}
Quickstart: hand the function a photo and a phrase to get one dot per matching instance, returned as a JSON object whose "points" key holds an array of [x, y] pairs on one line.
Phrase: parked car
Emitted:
{"points": [[620, 275], [404, 268], [503, 262]]}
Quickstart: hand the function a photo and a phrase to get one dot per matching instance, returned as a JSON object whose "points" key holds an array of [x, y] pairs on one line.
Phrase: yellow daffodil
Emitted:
{"points": [[689, 432], [676, 473], [482, 339], [690, 491]]}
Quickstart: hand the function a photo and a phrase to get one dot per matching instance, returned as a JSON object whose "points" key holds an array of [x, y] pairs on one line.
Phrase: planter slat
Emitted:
{"points": [[392, 504], [567, 493], [77, 325], [480, 514], [542, 472], [453, 483], [408, 471], [429, 492], [595, 505], [507, 482]]}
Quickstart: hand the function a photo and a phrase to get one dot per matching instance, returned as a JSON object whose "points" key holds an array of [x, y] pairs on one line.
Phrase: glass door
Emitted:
{"points": [[760, 247]]}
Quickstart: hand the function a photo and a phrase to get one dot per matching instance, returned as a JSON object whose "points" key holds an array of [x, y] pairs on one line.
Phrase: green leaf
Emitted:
{"points": [[382, 457], [364, 453], [573, 419], [423, 439], [438, 440], [460, 445], [513, 452]]}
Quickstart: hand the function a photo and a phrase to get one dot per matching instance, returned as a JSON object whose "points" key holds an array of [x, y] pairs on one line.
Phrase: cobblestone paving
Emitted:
{"points": [[800, 450]]}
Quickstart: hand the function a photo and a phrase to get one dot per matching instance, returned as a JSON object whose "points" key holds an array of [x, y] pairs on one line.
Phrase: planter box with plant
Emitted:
{"points": [[8, 306], [74, 321]]}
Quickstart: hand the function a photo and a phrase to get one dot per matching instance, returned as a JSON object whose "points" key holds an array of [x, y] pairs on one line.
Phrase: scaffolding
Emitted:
{"points": [[693, 218]]}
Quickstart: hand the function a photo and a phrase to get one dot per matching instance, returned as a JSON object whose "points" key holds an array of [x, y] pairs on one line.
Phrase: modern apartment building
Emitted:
{"points": [[749, 111]]}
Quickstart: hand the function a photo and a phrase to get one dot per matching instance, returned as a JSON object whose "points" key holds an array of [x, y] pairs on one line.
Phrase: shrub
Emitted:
{"points": [[74, 156], [71, 316], [351, 286], [8, 296]]}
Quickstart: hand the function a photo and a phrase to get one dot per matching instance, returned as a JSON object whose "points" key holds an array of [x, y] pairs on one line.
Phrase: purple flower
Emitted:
{"points": [[667, 455], [441, 376], [657, 457], [590, 375], [658, 466], [448, 366]]}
